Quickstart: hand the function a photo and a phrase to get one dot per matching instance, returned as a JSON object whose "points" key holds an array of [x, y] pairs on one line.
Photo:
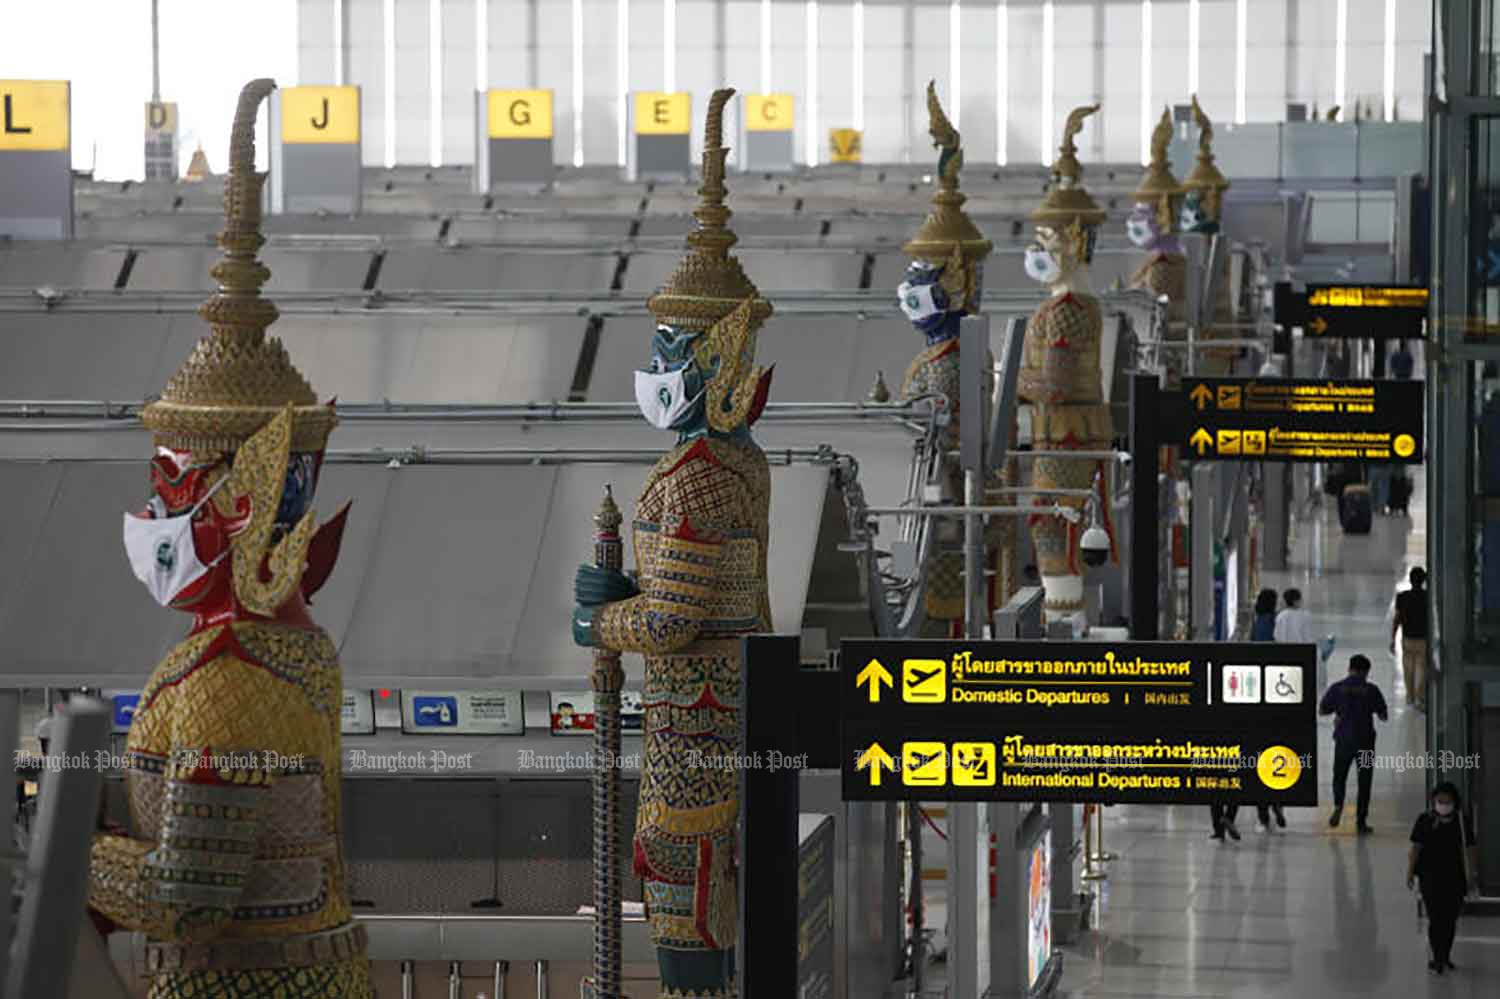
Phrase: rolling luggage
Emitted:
{"points": [[1400, 493], [1356, 511]]}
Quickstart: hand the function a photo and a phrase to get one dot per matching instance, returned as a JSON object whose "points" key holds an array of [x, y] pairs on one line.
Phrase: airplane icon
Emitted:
{"points": [[924, 681]]}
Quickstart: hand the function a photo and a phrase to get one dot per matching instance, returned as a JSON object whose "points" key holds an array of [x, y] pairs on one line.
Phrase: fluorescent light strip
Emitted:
{"points": [[1341, 54], [812, 83], [1049, 69], [858, 46], [1195, 37], [388, 14], [435, 82], [1241, 27], [578, 83], [338, 42], [955, 62], [482, 45], [765, 46], [1390, 60], [669, 45], [1146, 118], [622, 75], [1002, 83]]}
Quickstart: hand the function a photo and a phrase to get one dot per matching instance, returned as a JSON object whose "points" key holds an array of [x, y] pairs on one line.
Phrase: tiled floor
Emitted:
{"points": [[1309, 911]]}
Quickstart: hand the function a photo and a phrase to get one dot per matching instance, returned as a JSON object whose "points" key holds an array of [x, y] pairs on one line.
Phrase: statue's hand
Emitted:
{"points": [[583, 625], [593, 585]]}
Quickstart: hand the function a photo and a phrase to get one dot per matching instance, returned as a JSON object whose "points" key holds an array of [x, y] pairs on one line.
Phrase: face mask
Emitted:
{"points": [[161, 550], [1042, 266], [1443, 807], [1140, 233], [662, 397], [918, 301]]}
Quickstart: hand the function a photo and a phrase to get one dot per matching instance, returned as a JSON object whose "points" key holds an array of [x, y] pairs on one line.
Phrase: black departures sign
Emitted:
{"points": [[1352, 311], [1145, 722], [1280, 419]]}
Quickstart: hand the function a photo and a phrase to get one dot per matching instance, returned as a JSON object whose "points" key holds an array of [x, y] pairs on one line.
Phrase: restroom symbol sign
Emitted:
{"points": [[1241, 685], [1283, 684]]}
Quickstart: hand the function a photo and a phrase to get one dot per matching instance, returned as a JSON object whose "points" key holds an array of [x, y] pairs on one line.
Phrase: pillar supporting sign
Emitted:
{"points": [[514, 140], [767, 137], [660, 146], [36, 159], [315, 150]]}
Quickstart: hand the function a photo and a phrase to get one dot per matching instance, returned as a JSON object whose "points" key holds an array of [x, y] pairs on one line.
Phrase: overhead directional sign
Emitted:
{"points": [[36, 159], [1381, 312], [1154, 722], [1234, 419]]}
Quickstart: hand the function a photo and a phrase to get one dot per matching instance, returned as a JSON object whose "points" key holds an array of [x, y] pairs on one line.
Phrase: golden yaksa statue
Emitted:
{"points": [[943, 283], [1060, 366], [702, 523], [1152, 226], [233, 865], [1202, 212]]}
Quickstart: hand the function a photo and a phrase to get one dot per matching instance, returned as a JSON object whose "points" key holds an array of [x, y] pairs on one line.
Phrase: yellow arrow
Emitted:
{"points": [[1201, 395], [874, 759], [1318, 325], [1201, 439], [874, 674]]}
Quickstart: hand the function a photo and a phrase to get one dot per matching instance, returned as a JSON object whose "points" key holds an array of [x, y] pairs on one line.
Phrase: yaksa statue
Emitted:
{"points": [[234, 863], [943, 283], [701, 527], [1202, 213], [1152, 226], [1060, 367]]}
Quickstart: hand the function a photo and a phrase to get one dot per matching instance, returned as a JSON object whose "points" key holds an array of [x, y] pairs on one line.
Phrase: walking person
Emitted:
{"points": [[1411, 620], [1263, 629], [1223, 815], [1293, 624], [1444, 863], [1356, 703]]}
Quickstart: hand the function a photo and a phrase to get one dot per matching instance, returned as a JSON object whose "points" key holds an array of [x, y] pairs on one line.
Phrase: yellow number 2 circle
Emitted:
{"points": [[1278, 768], [1404, 445]]}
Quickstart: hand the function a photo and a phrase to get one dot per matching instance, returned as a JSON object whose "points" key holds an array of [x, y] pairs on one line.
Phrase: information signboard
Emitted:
{"points": [[462, 712], [1378, 312], [1144, 722], [1230, 419]]}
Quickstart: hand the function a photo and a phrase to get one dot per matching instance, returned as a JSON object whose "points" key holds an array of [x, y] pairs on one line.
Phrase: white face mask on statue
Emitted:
{"points": [[662, 397], [1042, 266], [1139, 231], [161, 550]]}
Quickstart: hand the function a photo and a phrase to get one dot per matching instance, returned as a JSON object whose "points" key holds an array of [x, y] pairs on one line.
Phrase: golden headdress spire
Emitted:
{"points": [[237, 380], [948, 236], [1158, 186], [709, 284], [1206, 178], [1067, 202]]}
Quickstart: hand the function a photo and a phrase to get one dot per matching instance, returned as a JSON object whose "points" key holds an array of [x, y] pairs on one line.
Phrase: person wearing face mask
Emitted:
{"points": [[702, 524], [1443, 864], [942, 285], [1061, 374]]}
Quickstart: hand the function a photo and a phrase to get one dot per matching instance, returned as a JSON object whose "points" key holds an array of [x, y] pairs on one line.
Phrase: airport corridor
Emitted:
{"points": [[1308, 910]]}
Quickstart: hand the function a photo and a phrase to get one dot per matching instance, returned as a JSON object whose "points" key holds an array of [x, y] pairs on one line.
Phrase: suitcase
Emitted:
{"points": [[1400, 493], [1356, 511]]}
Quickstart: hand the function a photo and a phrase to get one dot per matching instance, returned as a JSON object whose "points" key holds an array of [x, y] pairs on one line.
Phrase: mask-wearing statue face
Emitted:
{"points": [[927, 304], [1194, 217], [1044, 257], [1142, 226], [670, 393]]}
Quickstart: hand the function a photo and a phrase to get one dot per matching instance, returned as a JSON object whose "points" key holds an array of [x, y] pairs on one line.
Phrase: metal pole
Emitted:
{"points": [[1090, 872], [155, 56], [10, 742], [607, 678], [57, 875], [1102, 855]]}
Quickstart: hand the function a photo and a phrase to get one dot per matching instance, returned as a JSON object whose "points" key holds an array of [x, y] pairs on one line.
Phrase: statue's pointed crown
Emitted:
{"points": [[1205, 177], [1158, 186], [1067, 202], [709, 284], [237, 379], [947, 231]]}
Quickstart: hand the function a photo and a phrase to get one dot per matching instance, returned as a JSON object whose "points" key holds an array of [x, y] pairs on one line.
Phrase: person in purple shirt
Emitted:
{"points": [[1357, 703]]}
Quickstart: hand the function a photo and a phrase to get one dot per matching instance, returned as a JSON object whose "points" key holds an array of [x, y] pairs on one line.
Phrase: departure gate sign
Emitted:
{"points": [[1141, 722], [1380, 312], [1236, 419]]}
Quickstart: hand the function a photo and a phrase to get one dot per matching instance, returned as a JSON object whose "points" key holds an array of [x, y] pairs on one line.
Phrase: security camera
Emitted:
{"points": [[1094, 546]]}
